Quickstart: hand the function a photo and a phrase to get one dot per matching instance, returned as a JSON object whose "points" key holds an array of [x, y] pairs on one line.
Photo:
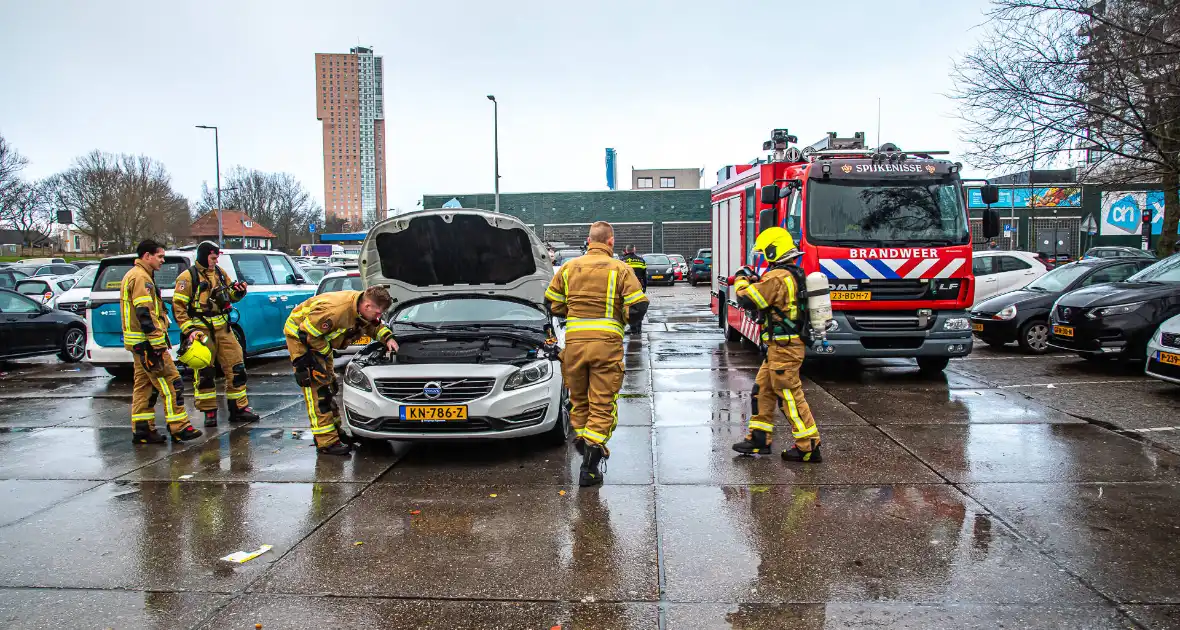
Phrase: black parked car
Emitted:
{"points": [[1117, 319], [29, 328], [1118, 251], [660, 269], [1023, 315], [701, 268]]}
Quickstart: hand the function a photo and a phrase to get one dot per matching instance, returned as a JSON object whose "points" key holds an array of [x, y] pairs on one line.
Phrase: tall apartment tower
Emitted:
{"points": [[350, 103]]}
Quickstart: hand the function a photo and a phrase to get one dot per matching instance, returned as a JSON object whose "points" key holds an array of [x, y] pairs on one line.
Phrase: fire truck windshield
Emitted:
{"points": [[882, 212]]}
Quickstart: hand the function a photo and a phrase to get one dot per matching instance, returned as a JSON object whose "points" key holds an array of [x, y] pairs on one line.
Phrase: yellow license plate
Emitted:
{"points": [[433, 413], [657, 277], [977, 327], [851, 295], [363, 341], [1170, 358], [1063, 331]]}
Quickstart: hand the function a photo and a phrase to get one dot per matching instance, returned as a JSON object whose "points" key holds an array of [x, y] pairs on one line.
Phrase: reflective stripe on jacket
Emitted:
{"points": [[139, 289], [186, 296], [593, 292], [776, 290]]}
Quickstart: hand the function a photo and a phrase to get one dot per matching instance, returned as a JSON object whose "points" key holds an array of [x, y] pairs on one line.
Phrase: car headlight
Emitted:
{"points": [[956, 323], [1118, 309], [669, 270], [1007, 313], [354, 376], [530, 374]]}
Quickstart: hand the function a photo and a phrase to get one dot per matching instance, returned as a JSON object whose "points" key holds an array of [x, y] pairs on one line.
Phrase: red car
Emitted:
{"points": [[681, 271]]}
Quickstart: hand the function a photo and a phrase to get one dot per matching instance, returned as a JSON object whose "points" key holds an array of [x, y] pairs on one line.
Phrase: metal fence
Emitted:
{"points": [[685, 237]]}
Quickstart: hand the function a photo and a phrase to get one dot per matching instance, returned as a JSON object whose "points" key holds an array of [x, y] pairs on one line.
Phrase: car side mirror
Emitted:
{"points": [[770, 195], [298, 279], [990, 194], [991, 223]]}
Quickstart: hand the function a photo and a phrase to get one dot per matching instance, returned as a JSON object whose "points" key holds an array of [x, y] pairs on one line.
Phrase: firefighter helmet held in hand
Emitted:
{"points": [[776, 245], [195, 354]]}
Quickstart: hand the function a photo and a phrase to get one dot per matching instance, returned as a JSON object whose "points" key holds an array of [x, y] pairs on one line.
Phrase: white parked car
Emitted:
{"points": [[77, 298], [999, 272], [45, 289], [478, 352], [1163, 352]]}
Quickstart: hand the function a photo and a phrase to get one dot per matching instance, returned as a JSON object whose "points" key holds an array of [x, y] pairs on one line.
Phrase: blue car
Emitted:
{"points": [[276, 285]]}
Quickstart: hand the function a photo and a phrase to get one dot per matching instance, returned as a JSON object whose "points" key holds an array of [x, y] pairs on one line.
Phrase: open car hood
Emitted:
{"points": [[452, 251]]}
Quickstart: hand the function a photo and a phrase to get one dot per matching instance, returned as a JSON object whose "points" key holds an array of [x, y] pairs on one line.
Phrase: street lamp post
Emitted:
{"points": [[217, 162], [496, 144]]}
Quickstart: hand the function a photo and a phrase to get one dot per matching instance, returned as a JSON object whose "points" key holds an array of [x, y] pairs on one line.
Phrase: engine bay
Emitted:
{"points": [[481, 349]]}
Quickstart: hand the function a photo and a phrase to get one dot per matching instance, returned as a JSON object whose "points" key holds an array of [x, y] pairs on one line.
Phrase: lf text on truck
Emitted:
{"points": [[889, 228]]}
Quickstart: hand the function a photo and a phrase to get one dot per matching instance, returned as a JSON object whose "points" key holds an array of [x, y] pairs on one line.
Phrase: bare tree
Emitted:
{"points": [[119, 200], [30, 212], [1053, 80], [275, 200], [11, 164]]}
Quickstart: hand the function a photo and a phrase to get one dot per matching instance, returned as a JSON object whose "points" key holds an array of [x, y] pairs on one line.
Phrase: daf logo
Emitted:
{"points": [[432, 390]]}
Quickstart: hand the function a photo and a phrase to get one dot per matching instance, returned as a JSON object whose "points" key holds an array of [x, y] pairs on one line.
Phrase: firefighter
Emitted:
{"points": [[597, 295], [637, 264], [145, 335], [201, 303], [775, 297], [314, 330]]}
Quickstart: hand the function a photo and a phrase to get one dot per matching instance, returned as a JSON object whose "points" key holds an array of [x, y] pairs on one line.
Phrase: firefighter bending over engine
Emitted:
{"points": [[775, 297]]}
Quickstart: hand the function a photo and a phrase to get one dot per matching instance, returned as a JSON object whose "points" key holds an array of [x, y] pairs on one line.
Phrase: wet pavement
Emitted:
{"points": [[1013, 492]]}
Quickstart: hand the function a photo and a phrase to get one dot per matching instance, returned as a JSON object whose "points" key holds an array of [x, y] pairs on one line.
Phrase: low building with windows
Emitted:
{"points": [[666, 178], [239, 230]]}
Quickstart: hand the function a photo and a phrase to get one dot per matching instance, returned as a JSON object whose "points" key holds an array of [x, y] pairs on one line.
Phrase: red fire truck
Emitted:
{"points": [[889, 228]]}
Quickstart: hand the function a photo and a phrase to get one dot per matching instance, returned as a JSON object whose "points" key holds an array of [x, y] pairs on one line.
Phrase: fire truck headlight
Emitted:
{"points": [[957, 323]]}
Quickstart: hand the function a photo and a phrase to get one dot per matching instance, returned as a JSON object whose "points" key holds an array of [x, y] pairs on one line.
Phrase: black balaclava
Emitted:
{"points": [[203, 251]]}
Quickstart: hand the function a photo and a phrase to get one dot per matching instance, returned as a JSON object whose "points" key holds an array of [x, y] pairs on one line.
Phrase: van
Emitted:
{"points": [[42, 261], [275, 286]]}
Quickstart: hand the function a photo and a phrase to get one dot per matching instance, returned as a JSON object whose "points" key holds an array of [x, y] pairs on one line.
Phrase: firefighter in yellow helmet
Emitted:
{"points": [[775, 299], [597, 295]]}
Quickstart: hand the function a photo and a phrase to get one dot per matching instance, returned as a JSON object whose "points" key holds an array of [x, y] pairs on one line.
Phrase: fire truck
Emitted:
{"points": [[889, 228]]}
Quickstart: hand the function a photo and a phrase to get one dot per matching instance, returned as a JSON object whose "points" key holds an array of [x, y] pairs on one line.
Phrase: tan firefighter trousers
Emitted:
{"points": [[778, 386], [320, 399], [593, 372], [149, 386], [228, 354]]}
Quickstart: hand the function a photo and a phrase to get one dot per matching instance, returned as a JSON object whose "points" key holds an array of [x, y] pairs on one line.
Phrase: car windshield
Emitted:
{"points": [[1059, 278], [341, 283], [1166, 270], [32, 288], [566, 255], [656, 259], [86, 277], [485, 311], [677, 258], [883, 212]]}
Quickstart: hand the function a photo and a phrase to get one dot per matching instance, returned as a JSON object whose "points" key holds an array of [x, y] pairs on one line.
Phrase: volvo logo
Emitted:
{"points": [[432, 390]]}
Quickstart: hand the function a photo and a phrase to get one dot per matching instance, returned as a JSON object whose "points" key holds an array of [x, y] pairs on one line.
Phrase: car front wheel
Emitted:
{"points": [[1034, 337], [73, 345], [560, 433]]}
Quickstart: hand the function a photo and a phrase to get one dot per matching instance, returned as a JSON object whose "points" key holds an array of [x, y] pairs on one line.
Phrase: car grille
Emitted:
{"points": [[73, 307], [452, 390], [896, 289], [893, 323], [454, 426], [1172, 340]]}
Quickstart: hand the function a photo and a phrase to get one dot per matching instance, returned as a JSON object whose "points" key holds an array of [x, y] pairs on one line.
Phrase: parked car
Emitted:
{"points": [[681, 269], [1116, 251], [998, 271], [45, 289], [344, 261], [343, 280], [9, 277], [77, 299], [314, 273], [28, 270], [565, 255], [81, 264], [477, 355], [1117, 319], [56, 269], [1163, 352], [29, 328], [275, 287], [1023, 315], [40, 261], [702, 267], [660, 268]]}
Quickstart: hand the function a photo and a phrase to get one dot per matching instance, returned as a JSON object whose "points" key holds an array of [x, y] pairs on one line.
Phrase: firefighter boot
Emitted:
{"points": [[245, 414], [189, 433], [142, 434], [757, 442], [591, 471], [794, 454], [336, 448], [211, 418]]}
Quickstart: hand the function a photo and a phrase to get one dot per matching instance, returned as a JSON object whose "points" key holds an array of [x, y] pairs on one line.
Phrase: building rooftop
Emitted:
{"points": [[233, 223]]}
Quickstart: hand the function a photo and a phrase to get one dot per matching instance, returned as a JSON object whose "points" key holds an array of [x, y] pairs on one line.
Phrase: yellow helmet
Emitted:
{"points": [[776, 244], [196, 354]]}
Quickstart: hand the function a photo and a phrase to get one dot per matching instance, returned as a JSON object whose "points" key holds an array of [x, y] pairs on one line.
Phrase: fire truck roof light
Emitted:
{"points": [[827, 169]]}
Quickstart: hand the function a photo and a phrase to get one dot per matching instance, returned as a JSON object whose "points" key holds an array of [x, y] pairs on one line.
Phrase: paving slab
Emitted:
{"points": [[1156, 617], [164, 536], [1029, 453], [52, 411], [894, 616], [728, 407], [954, 406], [524, 543], [884, 376], [79, 453], [316, 613], [1059, 368], [8, 434], [260, 454], [21, 498], [852, 455], [1142, 404], [58, 609], [521, 462], [1119, 537], [636, 383], [919, 544], [702, 380]]}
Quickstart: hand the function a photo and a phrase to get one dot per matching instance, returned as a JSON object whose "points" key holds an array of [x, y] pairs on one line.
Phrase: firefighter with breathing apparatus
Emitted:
{"points": [[784, 301]]}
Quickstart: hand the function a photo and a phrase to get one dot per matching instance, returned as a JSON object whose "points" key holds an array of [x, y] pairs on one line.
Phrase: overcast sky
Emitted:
{"points": [[668, 84]]}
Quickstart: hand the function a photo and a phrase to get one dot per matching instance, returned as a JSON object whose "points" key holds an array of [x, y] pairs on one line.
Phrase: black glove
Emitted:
{"points": [[747, 272], [152, 359], [310, 368]]}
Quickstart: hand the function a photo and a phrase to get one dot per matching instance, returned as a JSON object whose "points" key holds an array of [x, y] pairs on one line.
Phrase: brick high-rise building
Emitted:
{"points": [[350, 103]]}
